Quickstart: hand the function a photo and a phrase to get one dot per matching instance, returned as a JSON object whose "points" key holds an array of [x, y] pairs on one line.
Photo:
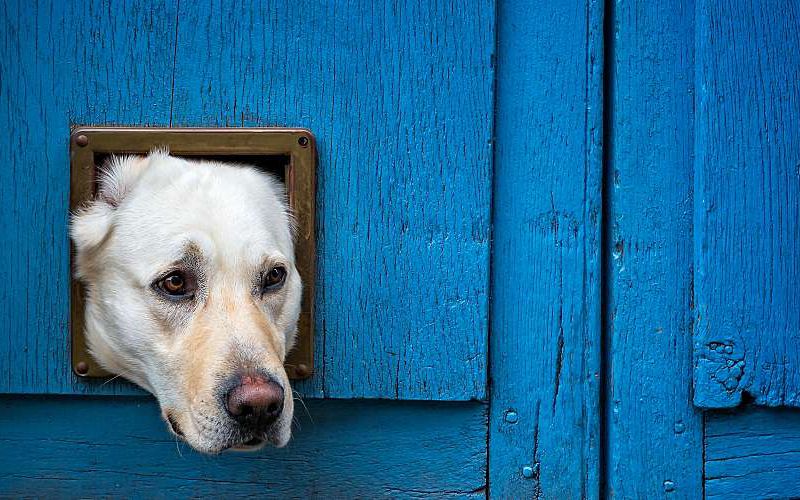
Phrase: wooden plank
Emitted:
{"points": [[65, 447], [654, 433], [545, 342], [747, 207], [753, 453], [400, 99]]}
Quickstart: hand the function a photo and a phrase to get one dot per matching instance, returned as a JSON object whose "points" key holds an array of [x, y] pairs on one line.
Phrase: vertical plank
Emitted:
{"points": [[654, 433], [747, 210], [545, 340], [399, 96]]}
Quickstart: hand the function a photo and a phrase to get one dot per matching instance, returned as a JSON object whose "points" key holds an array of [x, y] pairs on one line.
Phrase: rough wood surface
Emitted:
{"points": [[545, 341], [399, 96], [85, 447], [753, 453], [654, 433], [747, 203]]}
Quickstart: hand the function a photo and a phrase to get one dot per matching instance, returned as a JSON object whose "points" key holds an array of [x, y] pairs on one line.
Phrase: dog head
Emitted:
{"points": [[192, 293]]}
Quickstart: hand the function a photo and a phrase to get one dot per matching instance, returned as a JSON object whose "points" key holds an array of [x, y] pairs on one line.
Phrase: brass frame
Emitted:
{"points": [[300, 174]]}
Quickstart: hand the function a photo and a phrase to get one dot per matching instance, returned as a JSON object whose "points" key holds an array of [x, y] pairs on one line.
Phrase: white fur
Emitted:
{"points": [[146, 213]]}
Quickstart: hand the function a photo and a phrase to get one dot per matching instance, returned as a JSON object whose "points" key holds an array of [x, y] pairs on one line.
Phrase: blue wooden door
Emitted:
{"points": [[558, 243], [382, 113], [400, 98]]}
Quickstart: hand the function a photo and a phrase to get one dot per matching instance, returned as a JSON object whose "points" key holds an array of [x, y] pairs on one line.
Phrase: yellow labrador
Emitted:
{"points": [[193, 294]]}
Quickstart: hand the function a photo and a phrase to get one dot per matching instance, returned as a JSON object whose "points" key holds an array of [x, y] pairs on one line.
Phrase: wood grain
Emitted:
{"points": [[77, 447], [753, 453], [399, 96], [61, 63], [654, 433], [747, 204], [545, 341]]}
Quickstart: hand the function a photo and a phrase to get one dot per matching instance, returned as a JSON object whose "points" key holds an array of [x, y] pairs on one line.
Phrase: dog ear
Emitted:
{"points": [[92, 224], [118, 176]]}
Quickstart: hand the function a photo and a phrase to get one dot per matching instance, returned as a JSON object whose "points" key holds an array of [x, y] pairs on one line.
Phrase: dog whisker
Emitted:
{"points": [[296, 422], [178, 446], [115, 377], [297, 397]]}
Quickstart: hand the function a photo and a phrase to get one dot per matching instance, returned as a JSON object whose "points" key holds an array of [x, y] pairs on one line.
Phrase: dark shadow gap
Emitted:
{"points": [[606, 235]]}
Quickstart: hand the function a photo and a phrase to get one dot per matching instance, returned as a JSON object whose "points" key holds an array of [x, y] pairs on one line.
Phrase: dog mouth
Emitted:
{"points": [[249, 445], [235, 444], [248, 442], [240, 443]]}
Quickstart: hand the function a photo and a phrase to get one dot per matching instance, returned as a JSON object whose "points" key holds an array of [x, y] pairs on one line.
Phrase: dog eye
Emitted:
{"points": [[273, 279], [176, 285]]}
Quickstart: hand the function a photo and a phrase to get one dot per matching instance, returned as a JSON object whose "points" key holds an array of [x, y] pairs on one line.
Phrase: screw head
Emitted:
{"points": [[669, 486], [302, 370], [512, 417], [527, 472], [82, 140], [82, 368], [302, 141]]}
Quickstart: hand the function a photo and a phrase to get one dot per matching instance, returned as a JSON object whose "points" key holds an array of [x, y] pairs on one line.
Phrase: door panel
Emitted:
{"points": [[400, 100], [68, 446], [654, 432], [747, 204], [545, 344]]}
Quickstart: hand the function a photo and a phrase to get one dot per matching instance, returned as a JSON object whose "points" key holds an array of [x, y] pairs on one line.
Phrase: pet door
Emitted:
{"points": [[290, 154]]}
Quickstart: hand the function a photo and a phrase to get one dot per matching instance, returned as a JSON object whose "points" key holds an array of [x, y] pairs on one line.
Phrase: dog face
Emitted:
{"points": [[192, 293]]}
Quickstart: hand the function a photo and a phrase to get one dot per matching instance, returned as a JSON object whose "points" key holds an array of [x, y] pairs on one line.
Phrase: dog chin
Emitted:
{"points": [[273, 437], [276, 437], [244, 445], [258, 442]]}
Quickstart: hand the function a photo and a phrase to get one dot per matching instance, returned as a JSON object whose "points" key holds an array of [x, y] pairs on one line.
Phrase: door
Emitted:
{"points": [[557, 243], [400, 99]]}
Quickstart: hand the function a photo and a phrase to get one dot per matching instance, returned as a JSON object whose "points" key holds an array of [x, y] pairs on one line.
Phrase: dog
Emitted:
{"points": [[192, 293]]}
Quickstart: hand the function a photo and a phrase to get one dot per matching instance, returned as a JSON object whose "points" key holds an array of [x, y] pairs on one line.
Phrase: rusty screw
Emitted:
{"points": [[302, 371], [82, 140], [82, 368], [302, 141]]}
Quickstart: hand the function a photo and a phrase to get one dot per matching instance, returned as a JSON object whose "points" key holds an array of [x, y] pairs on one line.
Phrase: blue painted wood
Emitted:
{"points": [[545, 342], [654, 433], [747, 204], [60, 63], [753, 453], [79, 447], [400, 98]]}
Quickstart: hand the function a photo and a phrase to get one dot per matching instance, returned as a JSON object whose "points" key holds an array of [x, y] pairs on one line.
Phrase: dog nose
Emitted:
{"points": [[256, 401]]}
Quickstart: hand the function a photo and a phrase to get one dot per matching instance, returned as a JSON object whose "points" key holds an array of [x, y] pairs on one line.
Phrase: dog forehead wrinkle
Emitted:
{"points": [[237, 208], [198, 246], [230, 244], [193, 184]]}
